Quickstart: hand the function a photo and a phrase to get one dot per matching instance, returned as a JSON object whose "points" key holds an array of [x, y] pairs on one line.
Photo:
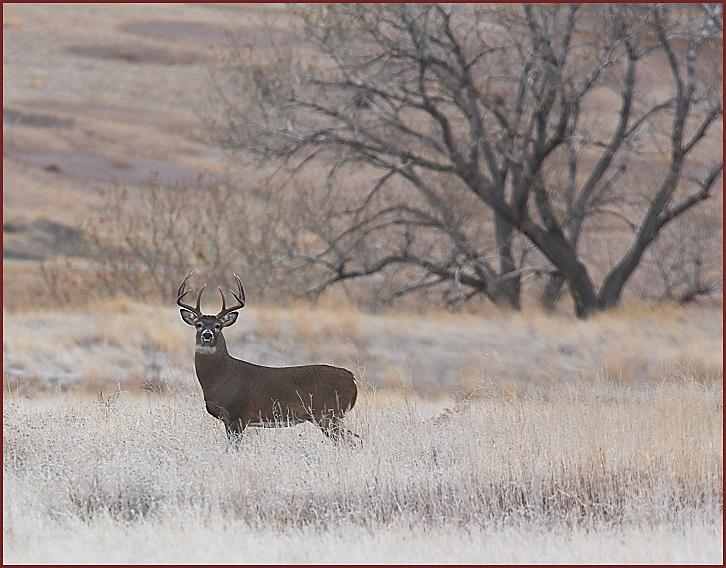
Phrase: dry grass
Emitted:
{"points": [[232, 541], [432, 355], [578, 471], [598, 440]]}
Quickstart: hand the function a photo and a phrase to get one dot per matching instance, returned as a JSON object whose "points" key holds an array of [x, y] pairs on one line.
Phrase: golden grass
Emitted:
{"points": [[433, 354]]}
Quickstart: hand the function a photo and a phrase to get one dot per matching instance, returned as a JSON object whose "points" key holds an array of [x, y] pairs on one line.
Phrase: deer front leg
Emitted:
{"points": [[235, 429], [233, 426]]}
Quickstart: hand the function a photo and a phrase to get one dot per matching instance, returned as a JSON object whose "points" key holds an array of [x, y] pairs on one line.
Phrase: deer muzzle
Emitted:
{"points": [[207, 336]]}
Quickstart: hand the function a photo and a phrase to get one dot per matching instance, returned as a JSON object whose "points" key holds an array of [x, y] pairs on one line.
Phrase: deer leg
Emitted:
{"points": [[234, 429], [334, 430], [350, 436], [330, 427]]}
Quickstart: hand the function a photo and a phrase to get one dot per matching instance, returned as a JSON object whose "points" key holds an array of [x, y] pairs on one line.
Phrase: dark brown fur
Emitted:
{"points": [[240, 393]]}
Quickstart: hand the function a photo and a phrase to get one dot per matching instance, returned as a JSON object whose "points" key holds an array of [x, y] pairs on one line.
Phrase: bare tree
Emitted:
{"points": [[146, 238], [489, 136], [686, 261]]}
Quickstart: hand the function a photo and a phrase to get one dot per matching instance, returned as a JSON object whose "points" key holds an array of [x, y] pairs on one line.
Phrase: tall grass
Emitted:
{"points": [[587, 458], [490, 437]]}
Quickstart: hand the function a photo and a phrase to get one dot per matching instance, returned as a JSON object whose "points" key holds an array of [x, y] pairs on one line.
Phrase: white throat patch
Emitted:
{"points": [[205, 349]]}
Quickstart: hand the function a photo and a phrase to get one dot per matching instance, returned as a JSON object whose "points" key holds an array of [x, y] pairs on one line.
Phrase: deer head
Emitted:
{"points": [[209, 328]]}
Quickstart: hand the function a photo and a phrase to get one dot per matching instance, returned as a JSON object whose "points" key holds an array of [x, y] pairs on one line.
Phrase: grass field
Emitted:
{"points": [[606, 474], [437, 354], [606, 455]]}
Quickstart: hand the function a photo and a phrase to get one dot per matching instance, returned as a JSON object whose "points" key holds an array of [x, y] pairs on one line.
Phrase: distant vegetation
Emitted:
{"points": [[490, 146], [411, 156]]}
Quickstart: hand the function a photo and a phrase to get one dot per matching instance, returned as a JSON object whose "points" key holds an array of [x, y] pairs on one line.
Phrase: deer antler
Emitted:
{"points": [[239, 296], [183, 291]]}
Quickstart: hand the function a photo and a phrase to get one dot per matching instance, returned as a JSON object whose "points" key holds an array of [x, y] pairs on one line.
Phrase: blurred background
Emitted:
{"points": [[391, 183]]}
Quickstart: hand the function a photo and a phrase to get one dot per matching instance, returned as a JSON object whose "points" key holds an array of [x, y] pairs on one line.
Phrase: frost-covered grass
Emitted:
{"points": [[488, 437], [184, 542], [594, 473]]}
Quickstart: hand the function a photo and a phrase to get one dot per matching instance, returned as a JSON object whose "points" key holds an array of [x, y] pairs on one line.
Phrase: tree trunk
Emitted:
{"points": [[615, 282], [507, 294], [563, 256], [511, 292], [509, 287], [582, 291], [552, 291]]}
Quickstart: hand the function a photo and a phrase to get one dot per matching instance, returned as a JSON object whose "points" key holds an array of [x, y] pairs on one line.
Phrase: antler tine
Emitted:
{"points": [[199, 299], [239, 296], [224, 305], [182, 291]]}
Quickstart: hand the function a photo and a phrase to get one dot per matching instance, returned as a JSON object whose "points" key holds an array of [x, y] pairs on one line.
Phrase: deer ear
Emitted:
{"points": [[229, 319], [188, 317]]}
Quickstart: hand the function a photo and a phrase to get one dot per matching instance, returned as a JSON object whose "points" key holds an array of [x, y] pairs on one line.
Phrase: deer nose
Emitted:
{"points": [[207, 335]]}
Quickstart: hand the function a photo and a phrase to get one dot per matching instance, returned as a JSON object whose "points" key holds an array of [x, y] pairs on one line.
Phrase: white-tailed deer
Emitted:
{"points": [[242, 394]]}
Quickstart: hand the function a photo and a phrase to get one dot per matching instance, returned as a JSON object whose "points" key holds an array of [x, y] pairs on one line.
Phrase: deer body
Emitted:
{"points": [[242, 394]]}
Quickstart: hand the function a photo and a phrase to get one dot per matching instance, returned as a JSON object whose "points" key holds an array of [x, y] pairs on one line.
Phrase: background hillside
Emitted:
{"points": [[101, 98], [96, 97]]}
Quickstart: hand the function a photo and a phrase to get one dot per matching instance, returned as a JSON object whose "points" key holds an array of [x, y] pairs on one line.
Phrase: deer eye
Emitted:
{"points": [[217, 326], [199, 326]]}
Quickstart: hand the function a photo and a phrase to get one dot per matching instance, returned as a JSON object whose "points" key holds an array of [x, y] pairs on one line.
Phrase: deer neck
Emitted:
{"points": [[209, 353], [211, 363]]}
